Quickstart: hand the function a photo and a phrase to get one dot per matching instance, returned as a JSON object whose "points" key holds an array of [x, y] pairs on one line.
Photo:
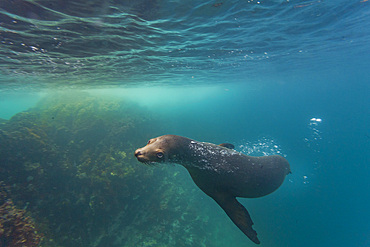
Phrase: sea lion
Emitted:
{"points": [[220, 172]]}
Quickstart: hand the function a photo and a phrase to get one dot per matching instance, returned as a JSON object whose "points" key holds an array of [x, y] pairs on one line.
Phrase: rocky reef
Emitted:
{"points": [[69, 163]]}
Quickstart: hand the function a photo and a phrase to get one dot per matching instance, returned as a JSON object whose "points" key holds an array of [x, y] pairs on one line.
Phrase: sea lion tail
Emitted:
{"points": [[238, 214]]}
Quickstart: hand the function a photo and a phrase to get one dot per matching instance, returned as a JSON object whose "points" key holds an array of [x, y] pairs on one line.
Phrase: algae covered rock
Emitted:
{"points": [[67, 159], [70, 162], [16, 228]]}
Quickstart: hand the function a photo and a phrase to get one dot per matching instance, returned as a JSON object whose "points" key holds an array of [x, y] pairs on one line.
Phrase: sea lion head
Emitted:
{"points": [[167, 148], [155, 151]]}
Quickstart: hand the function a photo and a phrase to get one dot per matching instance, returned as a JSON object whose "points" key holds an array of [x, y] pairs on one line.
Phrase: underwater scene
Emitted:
{"points": [[155, 123]]}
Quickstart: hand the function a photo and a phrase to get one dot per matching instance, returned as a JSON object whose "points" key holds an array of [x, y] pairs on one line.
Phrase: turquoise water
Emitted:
{"points": [[271, 77]]}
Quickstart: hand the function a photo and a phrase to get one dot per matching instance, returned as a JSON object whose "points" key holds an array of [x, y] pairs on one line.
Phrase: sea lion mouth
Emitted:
{"points": [[141, 158]]}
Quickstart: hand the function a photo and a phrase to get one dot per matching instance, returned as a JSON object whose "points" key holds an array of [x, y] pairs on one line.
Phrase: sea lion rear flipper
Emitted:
{"points": [[238, 214]]}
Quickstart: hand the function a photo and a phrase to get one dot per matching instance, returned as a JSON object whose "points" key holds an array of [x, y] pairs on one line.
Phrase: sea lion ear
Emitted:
{"points": [[227, 145]]}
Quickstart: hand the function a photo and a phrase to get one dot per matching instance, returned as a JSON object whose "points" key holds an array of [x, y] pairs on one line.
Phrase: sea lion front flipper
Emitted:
{"points": [[238, 214], [227, 145]]}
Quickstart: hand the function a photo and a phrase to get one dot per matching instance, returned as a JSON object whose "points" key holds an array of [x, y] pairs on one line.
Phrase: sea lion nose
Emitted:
{"points": [[137, 153]]}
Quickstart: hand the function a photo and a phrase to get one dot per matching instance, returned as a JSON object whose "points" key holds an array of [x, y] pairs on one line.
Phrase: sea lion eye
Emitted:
{"points": [[160, 155]]}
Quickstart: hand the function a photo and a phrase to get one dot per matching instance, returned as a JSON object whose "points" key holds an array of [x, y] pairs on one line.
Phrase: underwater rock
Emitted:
{"points": [[67, 162]]}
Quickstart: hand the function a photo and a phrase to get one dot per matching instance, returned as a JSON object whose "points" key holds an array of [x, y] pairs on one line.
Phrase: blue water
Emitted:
{"points": [[271, 77]]}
